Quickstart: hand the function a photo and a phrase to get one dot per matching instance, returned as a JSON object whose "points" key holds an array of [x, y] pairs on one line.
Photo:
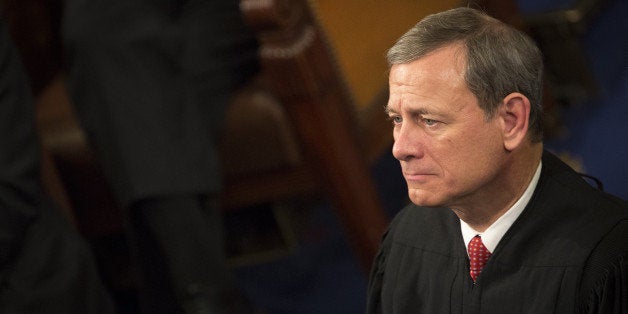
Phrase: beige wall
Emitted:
{"points": [[361, 31]]}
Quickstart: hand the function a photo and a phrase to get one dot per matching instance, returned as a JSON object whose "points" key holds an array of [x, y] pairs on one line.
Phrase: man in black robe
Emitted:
{"points": [[498, 225], [45, 266]]}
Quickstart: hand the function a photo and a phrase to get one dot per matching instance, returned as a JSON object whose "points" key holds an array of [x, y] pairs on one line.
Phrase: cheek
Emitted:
{"points": [[470, 153]]}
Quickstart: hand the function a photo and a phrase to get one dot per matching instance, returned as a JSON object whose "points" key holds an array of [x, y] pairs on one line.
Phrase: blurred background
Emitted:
{"points": [[310, 181]]}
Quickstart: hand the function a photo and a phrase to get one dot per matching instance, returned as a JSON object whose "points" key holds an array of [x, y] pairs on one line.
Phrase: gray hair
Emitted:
{"points": [[500, 59]]}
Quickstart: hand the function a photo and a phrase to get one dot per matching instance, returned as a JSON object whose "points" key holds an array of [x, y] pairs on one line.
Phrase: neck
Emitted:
{"points": [[504, 191]]}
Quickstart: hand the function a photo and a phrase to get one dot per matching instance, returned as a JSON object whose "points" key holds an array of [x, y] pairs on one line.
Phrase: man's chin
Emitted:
{"points": [[424, 199], [429, 205]]}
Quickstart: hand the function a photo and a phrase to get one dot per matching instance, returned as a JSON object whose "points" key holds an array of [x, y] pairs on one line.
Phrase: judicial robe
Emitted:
{"points": [[566, 253]]}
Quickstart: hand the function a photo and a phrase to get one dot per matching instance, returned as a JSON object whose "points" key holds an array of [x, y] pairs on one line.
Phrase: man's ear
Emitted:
{"points": [[514, 115]]}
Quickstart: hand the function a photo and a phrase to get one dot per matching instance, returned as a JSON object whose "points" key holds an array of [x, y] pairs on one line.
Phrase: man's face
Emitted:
{"points": [[450, 154]]}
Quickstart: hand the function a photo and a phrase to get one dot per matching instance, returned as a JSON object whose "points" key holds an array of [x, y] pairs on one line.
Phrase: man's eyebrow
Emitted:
{"points": [[419, 111], [388, 110]]}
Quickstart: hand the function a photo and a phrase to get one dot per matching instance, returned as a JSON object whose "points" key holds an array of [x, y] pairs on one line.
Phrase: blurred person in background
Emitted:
{"points": [[150, 81], [45, 266]]}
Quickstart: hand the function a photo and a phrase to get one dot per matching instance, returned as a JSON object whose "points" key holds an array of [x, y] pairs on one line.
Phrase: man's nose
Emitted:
{"points": [[407, 144]]}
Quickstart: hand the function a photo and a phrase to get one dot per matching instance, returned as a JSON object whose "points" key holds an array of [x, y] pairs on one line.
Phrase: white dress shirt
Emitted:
{"points": [[494, 233]]}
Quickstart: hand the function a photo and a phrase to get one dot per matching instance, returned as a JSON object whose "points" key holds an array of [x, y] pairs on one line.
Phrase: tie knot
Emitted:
{"points": [[478, 256]]}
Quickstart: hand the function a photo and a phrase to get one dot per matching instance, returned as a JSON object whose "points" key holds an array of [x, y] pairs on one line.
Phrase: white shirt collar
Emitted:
{"points": [[494, 233]]}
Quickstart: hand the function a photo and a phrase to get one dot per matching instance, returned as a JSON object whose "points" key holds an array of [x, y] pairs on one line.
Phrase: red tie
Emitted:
{"points": [[478, 255]]}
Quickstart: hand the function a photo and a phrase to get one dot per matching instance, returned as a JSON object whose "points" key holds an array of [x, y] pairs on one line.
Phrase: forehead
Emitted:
{"points": [[446, 62], [434, 78]]}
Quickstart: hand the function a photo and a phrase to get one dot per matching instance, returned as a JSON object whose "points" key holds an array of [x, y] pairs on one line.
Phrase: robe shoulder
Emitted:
{"points": [[604, 285]]}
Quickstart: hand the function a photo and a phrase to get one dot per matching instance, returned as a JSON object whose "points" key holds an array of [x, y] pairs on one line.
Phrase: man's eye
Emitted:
{"points": [[430, 122], [395, 119]]}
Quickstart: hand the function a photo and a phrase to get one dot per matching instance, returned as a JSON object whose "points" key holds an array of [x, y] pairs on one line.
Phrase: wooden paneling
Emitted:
{"points": [[362, 30]]}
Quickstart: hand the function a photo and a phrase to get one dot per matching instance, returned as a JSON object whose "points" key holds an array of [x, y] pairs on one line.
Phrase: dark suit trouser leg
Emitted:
{"points": [[179, 247]]}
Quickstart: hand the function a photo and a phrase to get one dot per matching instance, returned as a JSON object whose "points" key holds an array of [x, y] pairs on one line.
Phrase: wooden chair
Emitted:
{"points": [[299, 136], [306, 79]]}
